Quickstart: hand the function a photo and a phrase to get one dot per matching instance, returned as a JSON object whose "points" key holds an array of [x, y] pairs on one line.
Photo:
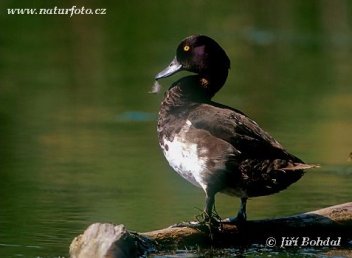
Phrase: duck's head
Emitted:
{"points": [[201, 55]]}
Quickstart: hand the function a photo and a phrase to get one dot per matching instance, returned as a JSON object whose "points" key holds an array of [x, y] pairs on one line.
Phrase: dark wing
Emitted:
{"points": [[265, 166], [240, 131]]}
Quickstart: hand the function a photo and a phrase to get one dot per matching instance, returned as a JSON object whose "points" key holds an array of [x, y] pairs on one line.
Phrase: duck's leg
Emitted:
{"points": [[241, 215], [205, 218], [209, 204]]}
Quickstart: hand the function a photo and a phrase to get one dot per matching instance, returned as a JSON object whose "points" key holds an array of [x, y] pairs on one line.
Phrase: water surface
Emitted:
{"points": [[78, 129]]}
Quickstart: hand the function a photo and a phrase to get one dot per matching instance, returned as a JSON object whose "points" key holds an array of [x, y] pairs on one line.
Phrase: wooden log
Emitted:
{"points": [[332, 225]]}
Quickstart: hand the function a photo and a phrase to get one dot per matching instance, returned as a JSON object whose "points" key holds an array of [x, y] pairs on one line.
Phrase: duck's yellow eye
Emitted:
{"points": [[186, 48]]}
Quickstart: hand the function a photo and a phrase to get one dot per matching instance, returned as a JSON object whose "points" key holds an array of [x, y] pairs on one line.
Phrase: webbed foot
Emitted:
{"points": [[241, 217], [238, 220]]}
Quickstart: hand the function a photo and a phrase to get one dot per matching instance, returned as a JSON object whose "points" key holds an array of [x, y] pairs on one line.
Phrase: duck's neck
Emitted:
{"points": [[211, 82], [196, 88], [184, 94]]}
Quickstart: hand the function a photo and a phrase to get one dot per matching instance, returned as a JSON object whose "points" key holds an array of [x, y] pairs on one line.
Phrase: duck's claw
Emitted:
{"points": [[240, 219]]}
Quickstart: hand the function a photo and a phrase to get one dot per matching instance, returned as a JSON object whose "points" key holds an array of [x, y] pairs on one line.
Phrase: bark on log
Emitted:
{"points": [[108, 240]]}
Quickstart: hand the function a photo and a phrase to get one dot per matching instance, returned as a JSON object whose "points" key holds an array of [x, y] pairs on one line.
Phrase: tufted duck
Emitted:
{"points": [[213, 146]]}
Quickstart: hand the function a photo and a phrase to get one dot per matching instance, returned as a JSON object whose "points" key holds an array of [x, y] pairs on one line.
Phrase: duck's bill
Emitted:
{"points": [[173, 67]]}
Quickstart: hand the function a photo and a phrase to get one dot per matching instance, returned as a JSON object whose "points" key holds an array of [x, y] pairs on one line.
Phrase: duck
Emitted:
{"points": [[213, 146]]}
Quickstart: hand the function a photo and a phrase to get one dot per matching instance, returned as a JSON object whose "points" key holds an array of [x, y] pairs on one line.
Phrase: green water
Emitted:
{"points": [[78, 130]]}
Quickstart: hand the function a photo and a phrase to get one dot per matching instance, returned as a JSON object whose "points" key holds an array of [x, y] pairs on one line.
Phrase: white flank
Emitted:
{"points": [[183, 158]]}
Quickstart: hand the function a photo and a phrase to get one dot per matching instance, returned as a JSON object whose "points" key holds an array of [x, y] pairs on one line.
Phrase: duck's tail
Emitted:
{"points": [[270, 177]]}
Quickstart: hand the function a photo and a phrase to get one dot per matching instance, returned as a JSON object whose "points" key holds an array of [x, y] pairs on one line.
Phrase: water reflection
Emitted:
{"points": [[78, 137]]}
